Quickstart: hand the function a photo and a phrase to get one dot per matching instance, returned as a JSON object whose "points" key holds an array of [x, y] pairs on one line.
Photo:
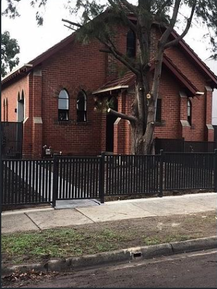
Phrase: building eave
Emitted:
{"points": [[110, 89]]}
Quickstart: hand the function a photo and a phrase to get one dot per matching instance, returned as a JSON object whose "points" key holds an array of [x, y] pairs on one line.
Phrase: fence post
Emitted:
{"points": [[161, 174], [55, 180], [215, 171], [101, 177]]}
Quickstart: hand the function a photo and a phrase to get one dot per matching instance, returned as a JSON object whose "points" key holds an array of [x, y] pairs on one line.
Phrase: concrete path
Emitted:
{"points": [[89, 212]]}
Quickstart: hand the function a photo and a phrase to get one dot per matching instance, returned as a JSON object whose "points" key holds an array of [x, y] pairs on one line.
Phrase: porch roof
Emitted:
{"points": [[123, 82]]}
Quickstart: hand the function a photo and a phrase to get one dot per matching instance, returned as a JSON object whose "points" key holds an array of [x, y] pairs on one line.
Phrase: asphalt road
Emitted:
{"points": [[193, 270]]}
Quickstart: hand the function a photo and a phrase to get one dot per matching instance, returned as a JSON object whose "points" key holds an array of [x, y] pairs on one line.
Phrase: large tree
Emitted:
{"points": [[9, 50], [99, 21]]}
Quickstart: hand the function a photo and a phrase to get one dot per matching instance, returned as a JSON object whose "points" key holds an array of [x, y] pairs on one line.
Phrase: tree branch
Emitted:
{"points": [[118, 55], [169, 29], [129, 6], [72, 23], [123, 14], [188, 25], [122, 115], [69, 27]]}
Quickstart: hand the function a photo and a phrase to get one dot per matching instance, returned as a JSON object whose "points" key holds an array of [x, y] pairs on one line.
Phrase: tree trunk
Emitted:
{"points": [[140, 111], [145, 110]]}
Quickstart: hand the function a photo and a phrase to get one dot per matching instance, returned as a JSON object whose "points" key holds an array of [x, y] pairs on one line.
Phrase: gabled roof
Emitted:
{"points": [[179, 75], [199, 62], [129, 78], [57, 47], [39, 59]]}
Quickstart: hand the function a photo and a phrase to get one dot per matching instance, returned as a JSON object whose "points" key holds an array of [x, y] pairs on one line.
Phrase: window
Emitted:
{"points": [[131, 44], [158, 112], [189, 112], [63, 105], [4, 109], [81, 107], [20, 107]]}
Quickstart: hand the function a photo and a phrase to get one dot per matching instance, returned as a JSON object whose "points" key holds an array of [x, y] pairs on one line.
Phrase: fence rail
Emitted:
{"points": [[65, 178], [27, 182]]}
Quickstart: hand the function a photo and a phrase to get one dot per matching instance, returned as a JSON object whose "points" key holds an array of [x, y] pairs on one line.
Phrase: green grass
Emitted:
{"points": [[57, 243], [95, 238]]}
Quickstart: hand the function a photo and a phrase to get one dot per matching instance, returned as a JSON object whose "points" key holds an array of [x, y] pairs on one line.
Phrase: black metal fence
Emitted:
{"points": [[27, 182], [180, 145], [189, 171], [132, 174], [12, 139], [76, 178], [64, 178]]}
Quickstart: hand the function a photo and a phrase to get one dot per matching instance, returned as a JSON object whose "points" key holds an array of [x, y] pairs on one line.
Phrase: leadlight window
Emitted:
{"points": [[131, 44], [82, 106], [189, 112], [159, 110], [63, 105]]}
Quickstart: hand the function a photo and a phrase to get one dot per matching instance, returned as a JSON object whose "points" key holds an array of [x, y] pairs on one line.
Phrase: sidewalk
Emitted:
{"points": [[93, 212]]}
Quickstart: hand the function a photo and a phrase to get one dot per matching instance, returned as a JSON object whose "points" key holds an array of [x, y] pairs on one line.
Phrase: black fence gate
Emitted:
{"points": [[12, 140]]}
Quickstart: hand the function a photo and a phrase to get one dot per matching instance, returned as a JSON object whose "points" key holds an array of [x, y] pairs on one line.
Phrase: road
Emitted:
{"points": [[192, 270]]}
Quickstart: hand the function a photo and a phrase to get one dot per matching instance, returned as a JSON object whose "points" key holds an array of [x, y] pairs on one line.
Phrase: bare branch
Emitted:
{"points": [[122, 115], [169, 29], [188, 25], [118, 55], [70, 27], [72, 23]]}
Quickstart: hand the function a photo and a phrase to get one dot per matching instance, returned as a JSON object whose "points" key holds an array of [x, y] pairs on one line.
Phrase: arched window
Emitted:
{"points": [[131, 44], [20, 107], [81, 107], [4, 109], [189, 112], [63, 105], [159, 110]]}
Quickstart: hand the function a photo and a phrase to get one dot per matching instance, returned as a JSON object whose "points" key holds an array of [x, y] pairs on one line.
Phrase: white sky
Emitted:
{"points": [[34, 40]]}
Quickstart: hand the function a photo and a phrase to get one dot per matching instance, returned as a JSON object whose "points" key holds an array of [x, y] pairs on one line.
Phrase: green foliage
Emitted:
{"points": [[9, 50]]}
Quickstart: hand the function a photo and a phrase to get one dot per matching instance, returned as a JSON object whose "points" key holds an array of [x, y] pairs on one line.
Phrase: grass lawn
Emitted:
{"points": [[41, 246]]}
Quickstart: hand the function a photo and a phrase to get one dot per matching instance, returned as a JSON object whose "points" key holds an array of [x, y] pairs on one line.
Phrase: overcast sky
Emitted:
{"points": [[34, 40]]}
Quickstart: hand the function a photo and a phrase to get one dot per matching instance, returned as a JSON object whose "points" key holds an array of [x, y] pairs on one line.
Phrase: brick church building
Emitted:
{"points": [[55, 97]]}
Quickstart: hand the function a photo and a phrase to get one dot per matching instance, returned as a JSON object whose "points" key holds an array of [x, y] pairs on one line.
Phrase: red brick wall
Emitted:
{"points": [[11, 93], [77, 67], [74, 68]]}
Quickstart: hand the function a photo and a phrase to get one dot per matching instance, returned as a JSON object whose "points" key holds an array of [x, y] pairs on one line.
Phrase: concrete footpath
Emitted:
{"points": [[86, 212]]}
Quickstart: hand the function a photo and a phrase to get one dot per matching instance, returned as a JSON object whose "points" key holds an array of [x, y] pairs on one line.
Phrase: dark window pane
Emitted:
{"points": [[81, 107], [131, 44], [158, 113], [189, 112], [63, 114]]}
